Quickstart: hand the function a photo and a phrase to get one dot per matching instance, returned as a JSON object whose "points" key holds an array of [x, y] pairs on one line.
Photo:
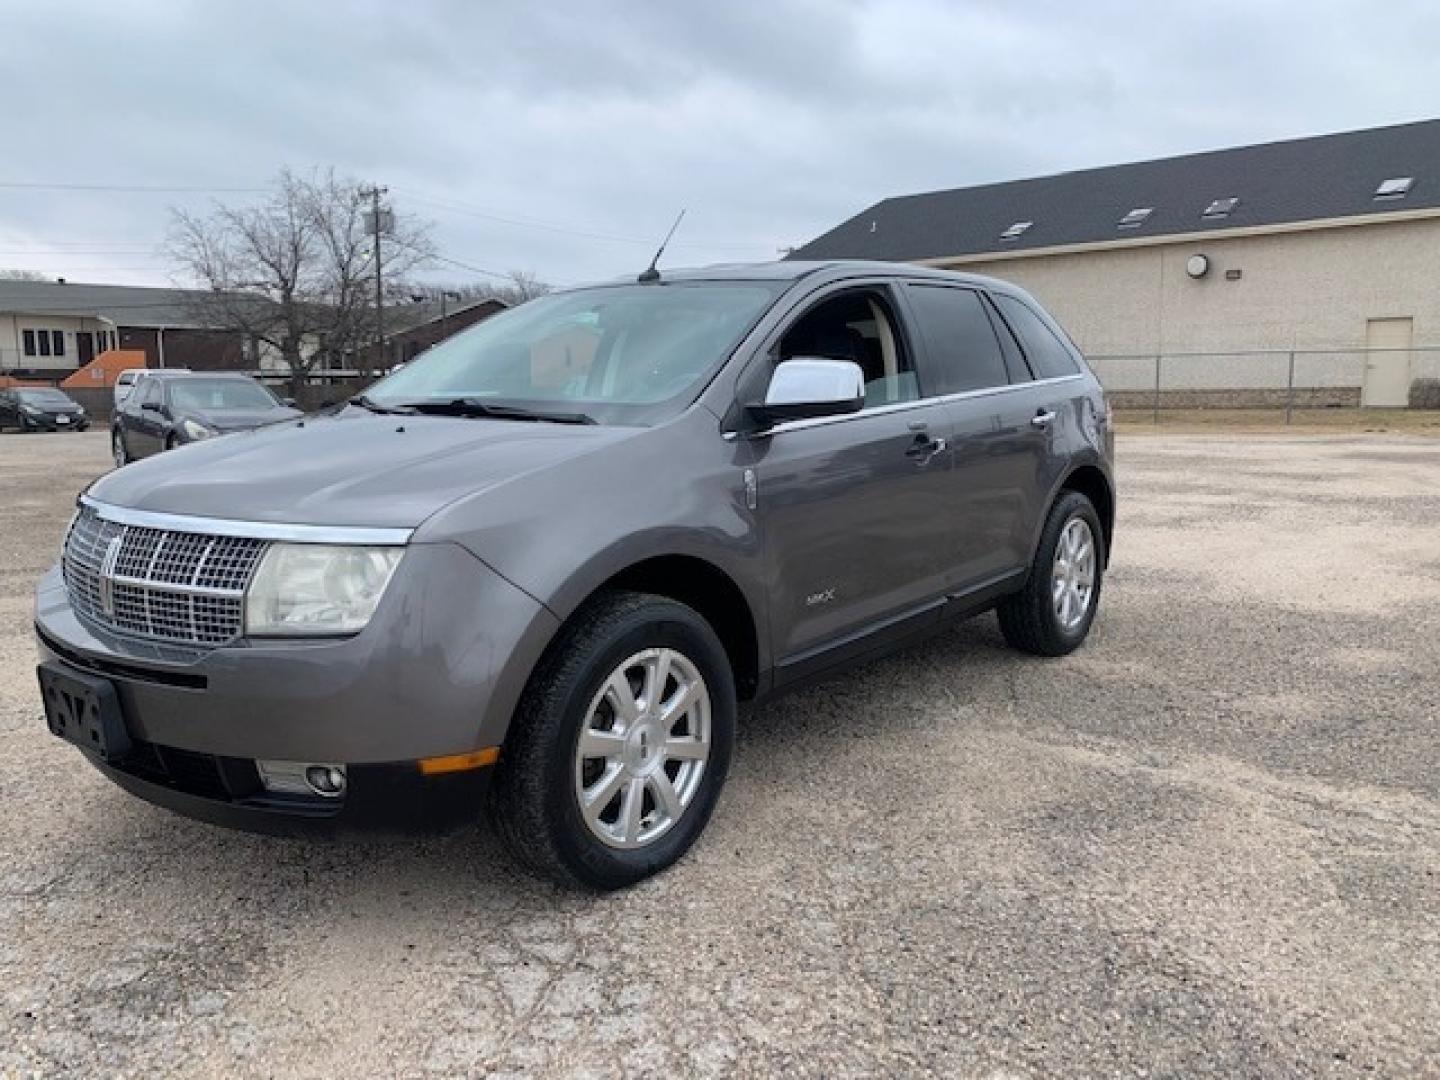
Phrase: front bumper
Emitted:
{"points": [[437, 672], [47, 422], [393, 797]]}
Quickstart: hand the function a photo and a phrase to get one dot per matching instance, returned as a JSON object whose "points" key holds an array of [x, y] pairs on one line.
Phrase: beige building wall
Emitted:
{"points": [[1312, 289], [12, 337]]}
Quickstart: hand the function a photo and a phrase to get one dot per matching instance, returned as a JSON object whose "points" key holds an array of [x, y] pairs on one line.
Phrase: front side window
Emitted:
{"points": [[961, 338], [202, 394], [1048, 355], [857, 327], [613, 353]]}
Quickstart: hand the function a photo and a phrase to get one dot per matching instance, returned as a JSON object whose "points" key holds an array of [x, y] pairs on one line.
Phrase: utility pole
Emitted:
{"points": [[375, 226]]}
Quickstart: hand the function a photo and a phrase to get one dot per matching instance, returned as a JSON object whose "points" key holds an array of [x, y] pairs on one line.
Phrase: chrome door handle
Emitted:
{"points": [[1042, 419], [924, 448]]}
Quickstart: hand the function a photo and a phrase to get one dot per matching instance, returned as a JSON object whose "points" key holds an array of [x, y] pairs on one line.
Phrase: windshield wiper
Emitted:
{"points": [[374, 406], [471, 406]]}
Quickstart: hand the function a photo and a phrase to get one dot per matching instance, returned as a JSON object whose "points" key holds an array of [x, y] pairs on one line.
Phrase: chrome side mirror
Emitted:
{"points": [[807, 387]]}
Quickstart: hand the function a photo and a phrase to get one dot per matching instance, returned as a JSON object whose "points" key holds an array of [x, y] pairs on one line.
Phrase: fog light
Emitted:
{"points": [[326, 779], [302, 778]]}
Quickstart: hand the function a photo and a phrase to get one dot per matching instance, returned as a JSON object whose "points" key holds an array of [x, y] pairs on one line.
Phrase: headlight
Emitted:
{"points": [[196, 431], [317, 589], [31, 410]]}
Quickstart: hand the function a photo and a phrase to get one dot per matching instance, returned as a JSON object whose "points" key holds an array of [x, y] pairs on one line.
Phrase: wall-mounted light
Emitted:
{"points": [[1197, 266]]}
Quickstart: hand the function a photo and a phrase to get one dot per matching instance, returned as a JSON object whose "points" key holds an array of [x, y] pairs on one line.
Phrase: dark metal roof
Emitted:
{"points": [[124, 305], [1299, 180], [402, 318]]}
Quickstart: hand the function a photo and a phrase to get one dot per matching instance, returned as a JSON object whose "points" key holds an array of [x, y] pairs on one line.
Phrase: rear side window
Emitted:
{"points": [[963, 346], [1048, 356]]}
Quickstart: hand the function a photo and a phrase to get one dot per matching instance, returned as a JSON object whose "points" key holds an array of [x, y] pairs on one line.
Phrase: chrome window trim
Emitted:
{"points": [[906, 406], [253, 530]]}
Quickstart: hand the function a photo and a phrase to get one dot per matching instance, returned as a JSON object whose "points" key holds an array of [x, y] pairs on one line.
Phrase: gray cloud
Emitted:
{"points": [[770, 121]]}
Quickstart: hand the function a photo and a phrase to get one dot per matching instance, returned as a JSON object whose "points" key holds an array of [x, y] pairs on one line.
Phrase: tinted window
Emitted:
{"points": [[1048, 356], [219, 394], [29, 336], [150, 390], [963, 344]]}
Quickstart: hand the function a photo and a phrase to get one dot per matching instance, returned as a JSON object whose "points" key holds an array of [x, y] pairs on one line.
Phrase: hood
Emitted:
{"points": [[242, 419], [351, 469]]}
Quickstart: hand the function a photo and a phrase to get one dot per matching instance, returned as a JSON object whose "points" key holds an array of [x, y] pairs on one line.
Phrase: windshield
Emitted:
{"points": [[44, 397], [205, 394], [608, 353]]}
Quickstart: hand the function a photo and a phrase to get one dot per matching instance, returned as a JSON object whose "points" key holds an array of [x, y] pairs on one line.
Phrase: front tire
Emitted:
{"points": [[620, 746], [1052, 614], [118, 449]]}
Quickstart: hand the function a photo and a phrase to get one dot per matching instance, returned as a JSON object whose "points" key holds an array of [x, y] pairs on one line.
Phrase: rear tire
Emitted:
{"points": [[1052, 614], [609, 775], [171, 442]]}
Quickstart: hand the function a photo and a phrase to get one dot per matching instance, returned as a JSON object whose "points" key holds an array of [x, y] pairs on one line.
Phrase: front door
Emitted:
{"points": [[1387, 363], [858, 534]]}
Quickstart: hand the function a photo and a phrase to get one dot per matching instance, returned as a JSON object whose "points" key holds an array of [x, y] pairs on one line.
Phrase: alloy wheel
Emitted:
{"points": [[1072, 578], [643, 748]]}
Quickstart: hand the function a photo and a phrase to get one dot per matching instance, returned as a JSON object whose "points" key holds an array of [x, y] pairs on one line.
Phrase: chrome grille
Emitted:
{"points": [[158, 583]]}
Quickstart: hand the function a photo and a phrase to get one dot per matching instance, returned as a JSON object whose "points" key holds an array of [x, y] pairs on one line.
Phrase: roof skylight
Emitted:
{"points": [[1220, 208], [1397, 187], [1135, 218], [1014, 231]]}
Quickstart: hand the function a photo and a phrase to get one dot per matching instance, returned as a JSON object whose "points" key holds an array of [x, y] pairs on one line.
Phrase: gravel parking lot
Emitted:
{"points": [[1208, 843]]}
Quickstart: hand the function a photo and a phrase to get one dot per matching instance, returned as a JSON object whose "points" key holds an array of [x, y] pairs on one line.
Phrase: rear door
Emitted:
{"points": [[998, 477], [858, 546]]}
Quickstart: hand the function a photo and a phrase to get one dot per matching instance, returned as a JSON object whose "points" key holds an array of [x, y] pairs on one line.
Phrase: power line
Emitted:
{"points": [[26, 185], [568, 230]]}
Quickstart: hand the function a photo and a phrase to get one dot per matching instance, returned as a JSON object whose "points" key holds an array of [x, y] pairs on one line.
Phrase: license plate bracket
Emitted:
{"points": [[84, 710]]}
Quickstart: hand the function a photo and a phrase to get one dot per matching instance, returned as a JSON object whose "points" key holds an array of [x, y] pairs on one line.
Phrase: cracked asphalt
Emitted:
{"points": [[1206, 844]]}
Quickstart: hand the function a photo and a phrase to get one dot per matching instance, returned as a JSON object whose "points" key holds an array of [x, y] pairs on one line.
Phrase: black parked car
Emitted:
{"points": [[169, 409], [32, 408]]}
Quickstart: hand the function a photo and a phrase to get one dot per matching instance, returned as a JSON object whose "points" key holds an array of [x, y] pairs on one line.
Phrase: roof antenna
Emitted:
{"points": [[651, 274]]}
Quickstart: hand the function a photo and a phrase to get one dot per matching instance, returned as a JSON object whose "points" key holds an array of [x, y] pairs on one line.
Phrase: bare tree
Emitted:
{"points": [[524, 285], [295, 272]]}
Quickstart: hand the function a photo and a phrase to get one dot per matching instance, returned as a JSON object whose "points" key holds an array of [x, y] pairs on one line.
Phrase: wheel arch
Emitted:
{"points": [[709, 590], [700, 584], [1092, 482]]}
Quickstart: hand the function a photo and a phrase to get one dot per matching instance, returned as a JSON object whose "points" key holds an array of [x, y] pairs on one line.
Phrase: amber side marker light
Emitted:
{"points": [[476, 759]]}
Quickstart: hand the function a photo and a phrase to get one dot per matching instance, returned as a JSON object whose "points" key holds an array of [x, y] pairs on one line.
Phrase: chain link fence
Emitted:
{"points": [[1291, 380]]}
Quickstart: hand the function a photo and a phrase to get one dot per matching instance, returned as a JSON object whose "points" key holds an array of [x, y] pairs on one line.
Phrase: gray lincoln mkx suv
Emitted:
{"points": [[548, 558]]}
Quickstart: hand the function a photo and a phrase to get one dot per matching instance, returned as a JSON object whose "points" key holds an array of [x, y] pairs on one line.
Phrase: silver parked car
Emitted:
{"points": [[172, 407], [549, 557]]}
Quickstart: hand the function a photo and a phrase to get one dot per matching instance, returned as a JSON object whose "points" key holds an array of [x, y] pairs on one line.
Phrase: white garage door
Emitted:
{"points": [[1387, 373]]}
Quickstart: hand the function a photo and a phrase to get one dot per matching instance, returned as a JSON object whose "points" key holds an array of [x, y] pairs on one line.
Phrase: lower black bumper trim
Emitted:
{"points": [[388, 798]]}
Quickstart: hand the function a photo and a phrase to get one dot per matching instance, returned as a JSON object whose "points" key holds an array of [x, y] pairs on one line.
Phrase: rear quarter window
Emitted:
{"points": [[1049, 357], [963, 348]]}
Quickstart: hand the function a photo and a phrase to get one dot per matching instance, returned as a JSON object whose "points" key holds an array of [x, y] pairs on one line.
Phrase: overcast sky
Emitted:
{"points": [[562, 138]]}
